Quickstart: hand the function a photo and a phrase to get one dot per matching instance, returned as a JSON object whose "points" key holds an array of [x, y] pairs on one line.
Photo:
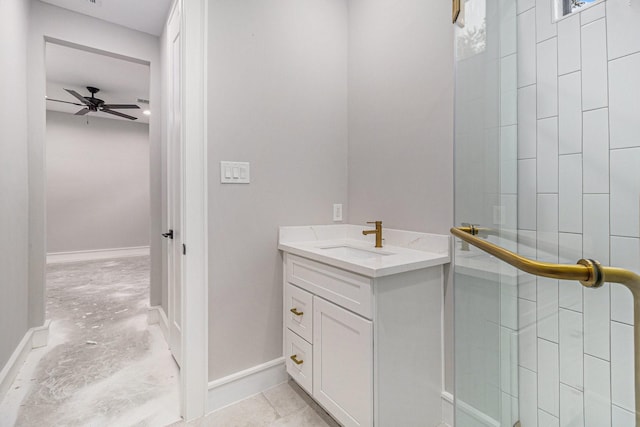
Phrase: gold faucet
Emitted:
{"points": [[377, 231]]}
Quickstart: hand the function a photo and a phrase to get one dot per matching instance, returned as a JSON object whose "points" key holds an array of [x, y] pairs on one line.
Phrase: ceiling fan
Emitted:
{"points": [[91, 103]]}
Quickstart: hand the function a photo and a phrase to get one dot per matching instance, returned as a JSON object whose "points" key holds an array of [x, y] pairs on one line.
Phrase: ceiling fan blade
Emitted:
{"points": [[120, 106], [80, 97], [82, 112], [115, 113], [66, 102]]}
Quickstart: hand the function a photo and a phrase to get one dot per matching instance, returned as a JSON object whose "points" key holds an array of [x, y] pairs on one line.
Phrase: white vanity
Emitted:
{"points": [[362, 325]]}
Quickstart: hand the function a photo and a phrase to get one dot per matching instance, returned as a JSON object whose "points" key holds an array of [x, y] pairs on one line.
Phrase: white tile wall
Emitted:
{"points": [[624, 100], [622, 384], [547, 155], [570, 194], [527, 48], [547, 78], [625, 192], [571, 407], [597, 396], [594, 65], [578, 196], [592, 13], [527, 330], [507, 27], [623, 31], [569, 45], [508, 91], [571, 348], [595, 146], [570, 252], [547, 420], [548, 377], [508, 164], [528, 395], [570, 113], [545, 25], [527, 194], [527, 122]]}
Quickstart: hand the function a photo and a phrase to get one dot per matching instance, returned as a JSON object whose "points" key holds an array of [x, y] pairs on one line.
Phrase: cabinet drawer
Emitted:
{"points": [[350, 290], [303, 352], [298, 311]]}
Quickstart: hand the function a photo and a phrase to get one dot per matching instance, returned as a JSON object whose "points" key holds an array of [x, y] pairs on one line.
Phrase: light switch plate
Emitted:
{"points": [[235, 172], [337, 212]]}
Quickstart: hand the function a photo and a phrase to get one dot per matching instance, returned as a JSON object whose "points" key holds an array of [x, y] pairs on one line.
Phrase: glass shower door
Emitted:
{"points": [[547, 165], [486, 322]]}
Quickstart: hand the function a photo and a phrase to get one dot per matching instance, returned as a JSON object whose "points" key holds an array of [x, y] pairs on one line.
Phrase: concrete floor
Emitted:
{"points": [[104, 366]]}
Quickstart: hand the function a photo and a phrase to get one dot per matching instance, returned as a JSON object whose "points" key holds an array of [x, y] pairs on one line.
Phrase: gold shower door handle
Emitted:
{"points": [[588, 272]]}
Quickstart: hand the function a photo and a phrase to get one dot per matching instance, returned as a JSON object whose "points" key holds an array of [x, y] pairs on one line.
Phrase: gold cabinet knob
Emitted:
{"points": [[296, 361], [296, 312]]}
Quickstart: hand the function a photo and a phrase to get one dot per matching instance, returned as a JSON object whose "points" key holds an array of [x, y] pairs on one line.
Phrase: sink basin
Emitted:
{"points": [[345, 251]]}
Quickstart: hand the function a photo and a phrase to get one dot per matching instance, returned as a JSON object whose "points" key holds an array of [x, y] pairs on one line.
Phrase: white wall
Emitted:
{"points": [[48, 21], [401, 121], [278, 99], [578, 197], [97, 183], [14, 212]]}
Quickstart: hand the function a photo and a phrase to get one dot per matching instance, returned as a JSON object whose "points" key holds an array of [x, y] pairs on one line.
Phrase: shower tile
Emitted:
{"points": [[527, 122], [595, 244], [527, 194], [547, 227], [548, 377], [571, 353], [625, 253], [545, 21], [547, 155], [526, 48], [547, 420], [547, 309], [623, 31], [571, 407], [593, 13], [622, 418], [570, 194], [595, 158], [594, 65], [569, 45], [570, 113], [622, 379], [527, 345], [625, 192], [596, 322], [528, 397], [508, 30], [597, 397], [624, 101], [547, 78], [570, 251]]}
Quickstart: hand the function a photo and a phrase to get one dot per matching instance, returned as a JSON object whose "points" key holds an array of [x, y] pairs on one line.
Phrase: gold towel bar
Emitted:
{"points": [[588, 272]]}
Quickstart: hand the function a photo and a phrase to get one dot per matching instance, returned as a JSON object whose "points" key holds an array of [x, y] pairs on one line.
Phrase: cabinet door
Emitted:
{"points": [[343, 363]]}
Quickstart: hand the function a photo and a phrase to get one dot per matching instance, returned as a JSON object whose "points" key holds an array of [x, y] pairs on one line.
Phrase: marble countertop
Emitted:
{"points": [[344, 246]]}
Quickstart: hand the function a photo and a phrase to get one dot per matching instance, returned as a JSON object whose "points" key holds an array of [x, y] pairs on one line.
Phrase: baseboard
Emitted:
{"points": [[239, 386], [157, 316], [60, 257], [34, 338], [480, 417], [447, 408]]}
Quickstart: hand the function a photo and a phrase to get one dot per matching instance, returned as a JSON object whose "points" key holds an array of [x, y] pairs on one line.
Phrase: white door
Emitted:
{"points": [[343, 363], [175, 185]]}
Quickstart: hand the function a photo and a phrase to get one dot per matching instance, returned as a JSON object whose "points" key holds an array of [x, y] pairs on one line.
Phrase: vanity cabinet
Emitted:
{"points": [[367, 349]]}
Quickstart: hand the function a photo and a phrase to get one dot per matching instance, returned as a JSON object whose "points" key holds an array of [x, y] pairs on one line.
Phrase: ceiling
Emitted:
{"points": [[148, 16], [119, 81]]}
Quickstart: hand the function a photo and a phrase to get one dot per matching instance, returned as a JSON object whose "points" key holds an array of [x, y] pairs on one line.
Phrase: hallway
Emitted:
{"points": [[104, 365]]}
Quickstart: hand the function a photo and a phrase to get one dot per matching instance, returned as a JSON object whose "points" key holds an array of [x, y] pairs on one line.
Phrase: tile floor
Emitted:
{"points": [[285, 405]]}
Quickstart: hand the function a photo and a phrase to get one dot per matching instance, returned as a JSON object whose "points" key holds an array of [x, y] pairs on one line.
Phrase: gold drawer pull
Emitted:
{"points": [[296, 312], [296, 361]]}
